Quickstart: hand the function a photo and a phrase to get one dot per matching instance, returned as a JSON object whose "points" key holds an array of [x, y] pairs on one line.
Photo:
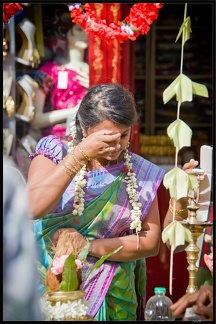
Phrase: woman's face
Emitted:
{"points": [[77, 37], [115, 128]]}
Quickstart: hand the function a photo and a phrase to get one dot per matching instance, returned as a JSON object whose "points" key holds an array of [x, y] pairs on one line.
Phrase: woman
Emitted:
{"points": [[63, 83], [112, 201]]}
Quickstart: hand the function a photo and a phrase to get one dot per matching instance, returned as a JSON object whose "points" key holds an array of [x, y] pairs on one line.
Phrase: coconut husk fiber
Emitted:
{"points": [[69, 241]]}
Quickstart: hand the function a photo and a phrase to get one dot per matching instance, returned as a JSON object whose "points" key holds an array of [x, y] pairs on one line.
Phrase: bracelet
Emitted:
{"points": [[90, 245], [72, 165], [178, 212], [74, 156], [69, 172], [83, 153]]}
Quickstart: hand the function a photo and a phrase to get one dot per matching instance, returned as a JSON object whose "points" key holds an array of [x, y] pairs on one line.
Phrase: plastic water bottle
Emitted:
{"points": [[158, 306]]}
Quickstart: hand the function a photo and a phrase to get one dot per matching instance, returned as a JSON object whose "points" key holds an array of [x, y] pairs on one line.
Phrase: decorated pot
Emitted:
{"points": [[65, 306]]}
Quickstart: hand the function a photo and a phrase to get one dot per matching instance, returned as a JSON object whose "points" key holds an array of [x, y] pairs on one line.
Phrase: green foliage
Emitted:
{"points": [[69, 275], [102, 259], [84, 252], [70, 280]]}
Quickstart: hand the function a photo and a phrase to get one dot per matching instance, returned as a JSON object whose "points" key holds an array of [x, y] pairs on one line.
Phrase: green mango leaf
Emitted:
{"points": [[180, 133], [185, 29], [176, 181], [101, 260], [84, 252], [69, 275], [176, 234]]}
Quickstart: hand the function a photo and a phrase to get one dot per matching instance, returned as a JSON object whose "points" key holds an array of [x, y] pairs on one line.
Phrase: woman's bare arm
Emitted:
{"points": [[149, 240]]}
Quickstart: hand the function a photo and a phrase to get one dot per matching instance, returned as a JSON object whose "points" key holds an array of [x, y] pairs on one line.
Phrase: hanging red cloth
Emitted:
{"points": [[104, 56]]}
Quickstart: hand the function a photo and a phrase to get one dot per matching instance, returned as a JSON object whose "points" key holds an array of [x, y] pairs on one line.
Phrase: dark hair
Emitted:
{"points": [[109, 101]]}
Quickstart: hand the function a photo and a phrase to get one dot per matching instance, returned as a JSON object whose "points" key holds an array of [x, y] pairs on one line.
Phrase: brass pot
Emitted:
{"points": [[64, 305]]}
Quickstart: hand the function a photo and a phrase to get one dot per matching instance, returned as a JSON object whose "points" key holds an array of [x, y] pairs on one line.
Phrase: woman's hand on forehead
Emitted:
{"points": [[100, 143], [106, 135], [110, 137]]}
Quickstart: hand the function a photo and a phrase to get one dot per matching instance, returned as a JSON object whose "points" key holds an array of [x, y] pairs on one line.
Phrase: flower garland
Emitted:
{"points": [[9, 10], [130, 179], [137, 22], [132, 193]]}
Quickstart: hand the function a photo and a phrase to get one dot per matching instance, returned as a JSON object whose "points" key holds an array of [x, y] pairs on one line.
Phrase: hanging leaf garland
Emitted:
{"points": [[177, 180], [184, 89], [180, 133], [185, 30]]}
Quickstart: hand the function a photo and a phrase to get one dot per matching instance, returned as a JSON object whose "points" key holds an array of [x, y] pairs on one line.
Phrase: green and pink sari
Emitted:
{"points": [[112, 290]]}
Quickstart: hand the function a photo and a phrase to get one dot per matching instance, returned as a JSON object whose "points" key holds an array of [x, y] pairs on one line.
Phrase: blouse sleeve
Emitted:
{"points": [[51, 147]]}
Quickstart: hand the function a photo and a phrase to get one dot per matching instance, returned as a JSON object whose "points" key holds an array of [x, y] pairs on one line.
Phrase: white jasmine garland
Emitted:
{"points": [[131, 187], [73, 6], [127, 29], [132, 193], [79, 192], [73, 135]]}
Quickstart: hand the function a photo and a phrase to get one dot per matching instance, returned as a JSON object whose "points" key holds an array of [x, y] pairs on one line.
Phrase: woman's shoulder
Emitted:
{"points": [[51, 147]]}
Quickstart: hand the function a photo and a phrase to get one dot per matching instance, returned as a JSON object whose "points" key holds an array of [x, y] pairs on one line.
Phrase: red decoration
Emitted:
{"points": [[137, 22], [9, 10]]}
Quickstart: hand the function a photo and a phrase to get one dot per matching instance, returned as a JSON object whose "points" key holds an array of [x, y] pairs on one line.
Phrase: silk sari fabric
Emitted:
{"points": [[111, 290]]}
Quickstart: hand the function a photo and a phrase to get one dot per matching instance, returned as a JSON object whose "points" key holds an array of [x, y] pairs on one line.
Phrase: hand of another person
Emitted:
{"points": [[189, 168], [208, 259], [201, 302]]}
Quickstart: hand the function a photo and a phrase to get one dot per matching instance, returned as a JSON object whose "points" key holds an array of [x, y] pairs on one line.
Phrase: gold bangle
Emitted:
{"points": [[72, 165], [69, 172], [83, 153], [178, 212], [74, 156]]}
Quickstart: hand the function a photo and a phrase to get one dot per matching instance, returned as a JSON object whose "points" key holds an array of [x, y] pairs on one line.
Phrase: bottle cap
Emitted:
{"points": [[160, 290]]}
